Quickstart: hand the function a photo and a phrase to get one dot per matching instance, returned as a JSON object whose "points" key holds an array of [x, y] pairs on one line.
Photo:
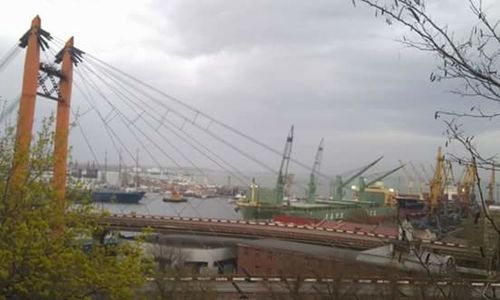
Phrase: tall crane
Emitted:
{"points": [[339, 184], [437, 184], [313, 179], [450, 176], [283, 171]]}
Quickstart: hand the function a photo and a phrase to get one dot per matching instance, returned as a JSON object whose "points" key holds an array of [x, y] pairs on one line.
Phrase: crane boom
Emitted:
{"points": [[313, 180], [340, 184], [283, 172], [364, 169], [379, 177]]}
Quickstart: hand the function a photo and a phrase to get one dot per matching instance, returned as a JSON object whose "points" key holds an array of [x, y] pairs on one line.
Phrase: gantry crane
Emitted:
{"points": [[283, 171], [437, 184], [339, 184], [313, 179]]}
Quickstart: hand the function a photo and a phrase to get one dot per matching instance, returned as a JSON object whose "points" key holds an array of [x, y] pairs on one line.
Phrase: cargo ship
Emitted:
{"points": [[258, 208], [371, 200], [117, 195]]}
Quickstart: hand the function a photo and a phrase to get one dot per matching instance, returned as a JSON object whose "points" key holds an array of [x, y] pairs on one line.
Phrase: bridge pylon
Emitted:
{"points": [[62, 124], [32, 78], [26, 108]]}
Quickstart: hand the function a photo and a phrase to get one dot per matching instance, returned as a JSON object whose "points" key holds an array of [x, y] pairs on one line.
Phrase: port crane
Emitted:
{"points": [[313, 178], [466, 188], [363, 184], [437, 184], [283, 171], [339, 184]]}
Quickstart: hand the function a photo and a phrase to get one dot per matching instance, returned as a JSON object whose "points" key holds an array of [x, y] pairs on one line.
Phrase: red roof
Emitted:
{"points": [[387, 230]]}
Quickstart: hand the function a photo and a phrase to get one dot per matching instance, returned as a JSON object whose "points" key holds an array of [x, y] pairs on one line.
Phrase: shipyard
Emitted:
{"points": [[249, 149]]}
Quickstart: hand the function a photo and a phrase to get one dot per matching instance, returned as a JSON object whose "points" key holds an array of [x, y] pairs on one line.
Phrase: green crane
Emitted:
{"points": [[363, 185], [339, 184], [283, 172], [313, 179]]}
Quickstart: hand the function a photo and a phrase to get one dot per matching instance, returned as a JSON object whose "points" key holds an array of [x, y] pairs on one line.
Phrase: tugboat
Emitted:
{"points": [[174, 196]]}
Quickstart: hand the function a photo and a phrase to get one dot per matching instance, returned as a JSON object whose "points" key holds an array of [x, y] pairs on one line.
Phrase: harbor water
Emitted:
{"points": [[152, 204]]}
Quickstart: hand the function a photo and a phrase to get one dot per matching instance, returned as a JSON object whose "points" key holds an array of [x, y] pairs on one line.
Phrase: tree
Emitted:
{"points": [[171, 265], [36, 263], [471, 59]]}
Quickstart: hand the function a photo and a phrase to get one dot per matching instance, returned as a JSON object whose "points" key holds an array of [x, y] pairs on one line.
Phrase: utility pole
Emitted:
{"points": [[26, 107]]}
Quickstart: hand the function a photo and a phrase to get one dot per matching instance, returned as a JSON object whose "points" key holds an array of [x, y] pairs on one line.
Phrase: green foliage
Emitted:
{"points": [[38, 262]]}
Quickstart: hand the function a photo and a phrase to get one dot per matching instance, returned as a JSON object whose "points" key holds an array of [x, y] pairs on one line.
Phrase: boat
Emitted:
{"points": [[370, 202], [317, 211], [174, 197], [117, 195]]}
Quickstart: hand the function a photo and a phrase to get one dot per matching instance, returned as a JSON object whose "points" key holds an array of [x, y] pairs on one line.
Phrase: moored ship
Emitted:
{"points": [[370, 201], [117, 194], [327, 210]]}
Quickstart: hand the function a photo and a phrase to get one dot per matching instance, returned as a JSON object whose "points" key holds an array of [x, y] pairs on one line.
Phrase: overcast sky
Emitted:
{"points": [[332, 70]]}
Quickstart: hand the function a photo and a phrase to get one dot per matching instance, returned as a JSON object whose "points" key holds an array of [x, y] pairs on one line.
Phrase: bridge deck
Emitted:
{"points": [[263, 229]]}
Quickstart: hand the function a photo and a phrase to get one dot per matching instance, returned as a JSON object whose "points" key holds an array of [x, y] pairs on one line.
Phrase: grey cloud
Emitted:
{"points": [[332, 70]]}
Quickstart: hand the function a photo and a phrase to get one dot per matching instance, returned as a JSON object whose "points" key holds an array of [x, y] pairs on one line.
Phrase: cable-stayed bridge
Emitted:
{"points": [[129, 111]]}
